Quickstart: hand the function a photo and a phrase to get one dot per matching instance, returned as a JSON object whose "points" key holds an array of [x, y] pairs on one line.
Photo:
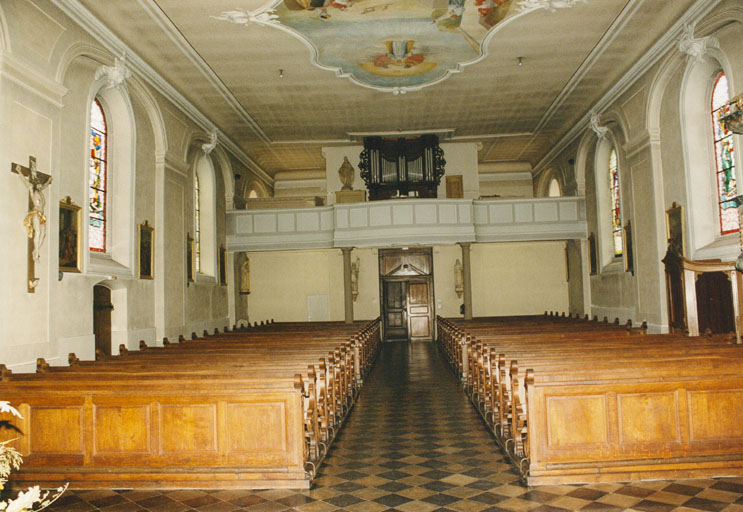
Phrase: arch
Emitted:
{"points": [[705, 240], [543, 186], [205, 214], [606, 229], [122, 178], [228, 178], [138, 90], [4, 34], [581, 161], [256, 185], [77, 50]]}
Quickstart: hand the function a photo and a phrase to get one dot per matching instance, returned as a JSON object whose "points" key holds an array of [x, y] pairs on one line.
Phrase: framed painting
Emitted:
{"points": [[627, 248], [222, 266], [592, 255], [675, 228], [146, 251], [70, 245], [189, 258]]}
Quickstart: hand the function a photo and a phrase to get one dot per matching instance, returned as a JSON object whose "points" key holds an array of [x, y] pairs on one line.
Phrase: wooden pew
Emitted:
{"points": [[547, 395], [240, 409]]}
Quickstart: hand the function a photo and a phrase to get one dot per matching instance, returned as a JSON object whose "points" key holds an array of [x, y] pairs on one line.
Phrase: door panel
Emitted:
{"points": [[102, 318], [420, 309], [395, 314]]}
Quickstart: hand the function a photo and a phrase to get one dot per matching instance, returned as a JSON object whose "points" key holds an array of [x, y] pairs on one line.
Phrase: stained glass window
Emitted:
{"points": [[616, 203], [724, 151], [97, 180], [197, 223]]}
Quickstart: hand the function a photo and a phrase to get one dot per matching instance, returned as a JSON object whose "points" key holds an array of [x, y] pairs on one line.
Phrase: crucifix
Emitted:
{"points": [[35, 220]]}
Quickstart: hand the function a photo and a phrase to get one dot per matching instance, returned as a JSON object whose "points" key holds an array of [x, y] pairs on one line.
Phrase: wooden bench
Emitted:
{"points": [[571, 405], [255, 408]]}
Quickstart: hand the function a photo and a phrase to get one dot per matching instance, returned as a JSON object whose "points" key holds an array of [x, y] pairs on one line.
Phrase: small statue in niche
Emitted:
{"points": [[458, 278], [347, 174], [355, 265], [245, 277]]}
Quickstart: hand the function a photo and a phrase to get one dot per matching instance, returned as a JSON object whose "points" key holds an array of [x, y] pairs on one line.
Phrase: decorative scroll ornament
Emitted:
{"points": [[116, 75], [266, 17], [601, 131], [696, 48], [551, 5], [208, 147]]}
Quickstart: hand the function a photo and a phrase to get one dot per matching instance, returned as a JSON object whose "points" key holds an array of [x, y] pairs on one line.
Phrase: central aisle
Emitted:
{"points": [[414, 441]]}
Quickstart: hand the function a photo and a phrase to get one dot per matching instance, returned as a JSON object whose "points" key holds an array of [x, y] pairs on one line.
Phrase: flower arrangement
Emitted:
{"points": [[33, 499]]}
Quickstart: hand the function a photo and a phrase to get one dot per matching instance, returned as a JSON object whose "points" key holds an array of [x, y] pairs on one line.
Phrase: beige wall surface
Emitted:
{"points": [[44, 103], [661, 126], [508, 279]]}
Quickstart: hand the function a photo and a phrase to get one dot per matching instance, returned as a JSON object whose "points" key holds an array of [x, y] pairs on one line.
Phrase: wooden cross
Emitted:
{"points": [[35, 220]]}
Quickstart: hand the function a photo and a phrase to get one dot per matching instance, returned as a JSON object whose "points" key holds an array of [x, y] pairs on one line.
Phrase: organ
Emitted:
{"points": [[402, 167]]}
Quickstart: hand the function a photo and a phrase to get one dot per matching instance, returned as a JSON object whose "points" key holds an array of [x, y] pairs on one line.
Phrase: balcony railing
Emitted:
{"points": [[407, 222]]}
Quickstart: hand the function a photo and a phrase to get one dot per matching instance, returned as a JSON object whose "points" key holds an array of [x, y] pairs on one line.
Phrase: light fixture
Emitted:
{"points": [[731, 115], [521, 61], [281, 73]]}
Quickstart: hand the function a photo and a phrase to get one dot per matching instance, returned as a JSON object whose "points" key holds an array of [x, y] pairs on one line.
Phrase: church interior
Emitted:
{"points": [[373, 254]]}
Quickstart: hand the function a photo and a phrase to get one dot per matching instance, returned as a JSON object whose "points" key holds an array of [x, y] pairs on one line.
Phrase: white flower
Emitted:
{"points": [[6, 407], [25, 501]]}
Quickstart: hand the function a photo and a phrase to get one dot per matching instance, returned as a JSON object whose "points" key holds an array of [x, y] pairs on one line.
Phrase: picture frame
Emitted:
{"points": [[70, 243], [146, 245], [222, 265], [675, 228], [190, 271], [628, 248], [592, 255]]}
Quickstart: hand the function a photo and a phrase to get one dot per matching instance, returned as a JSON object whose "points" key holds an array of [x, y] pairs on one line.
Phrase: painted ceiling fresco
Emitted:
{"points": [[393, 45]]}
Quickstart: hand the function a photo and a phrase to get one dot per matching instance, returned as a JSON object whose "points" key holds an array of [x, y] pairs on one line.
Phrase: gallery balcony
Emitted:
{"points": [[404, 222]]}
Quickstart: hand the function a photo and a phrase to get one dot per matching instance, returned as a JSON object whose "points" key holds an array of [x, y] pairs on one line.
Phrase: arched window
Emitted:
{"points": [[616, 203], [197, 222], [554, 188], [205, 217], [253, 194], [724, 162], [98, 179]]}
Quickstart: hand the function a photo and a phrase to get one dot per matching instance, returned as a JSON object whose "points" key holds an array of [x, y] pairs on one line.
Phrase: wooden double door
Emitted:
{"points": [[406, 289]]}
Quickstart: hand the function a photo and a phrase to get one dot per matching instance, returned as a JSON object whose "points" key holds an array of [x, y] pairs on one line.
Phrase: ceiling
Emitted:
{"points": [[230, 72]]}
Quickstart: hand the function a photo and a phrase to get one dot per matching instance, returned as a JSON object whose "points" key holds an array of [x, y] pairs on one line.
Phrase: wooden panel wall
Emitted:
{"points": [[604, 432]]}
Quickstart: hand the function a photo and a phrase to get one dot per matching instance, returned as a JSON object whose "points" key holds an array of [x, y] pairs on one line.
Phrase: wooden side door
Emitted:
{"points": [[395, 310], [420, 310], [102, 307]]}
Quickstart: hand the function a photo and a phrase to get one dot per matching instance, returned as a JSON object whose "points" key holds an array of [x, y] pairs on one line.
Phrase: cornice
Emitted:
{"points": [[609, 36], [80, 15], [668, 42], [31, 80]]}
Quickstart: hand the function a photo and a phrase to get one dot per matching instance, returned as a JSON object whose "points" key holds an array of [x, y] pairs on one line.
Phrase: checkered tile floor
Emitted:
{"points": [[414, 443]]}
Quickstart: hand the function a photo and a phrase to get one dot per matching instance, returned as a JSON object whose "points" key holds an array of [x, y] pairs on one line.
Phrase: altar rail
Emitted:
{"points": [[407, 222]]}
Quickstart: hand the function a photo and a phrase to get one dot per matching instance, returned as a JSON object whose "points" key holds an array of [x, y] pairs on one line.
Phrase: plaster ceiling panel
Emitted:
{"points": [[231, 73]]}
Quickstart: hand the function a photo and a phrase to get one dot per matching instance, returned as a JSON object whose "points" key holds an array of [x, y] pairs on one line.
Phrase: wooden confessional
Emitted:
{"points": [[703, 296], [406, 294]]}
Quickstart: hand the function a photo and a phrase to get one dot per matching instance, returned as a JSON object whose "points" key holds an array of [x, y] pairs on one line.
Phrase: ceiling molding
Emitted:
{"points": [[668, 42], [85, 19], [170, 30], [443, 133], [609, 36]]}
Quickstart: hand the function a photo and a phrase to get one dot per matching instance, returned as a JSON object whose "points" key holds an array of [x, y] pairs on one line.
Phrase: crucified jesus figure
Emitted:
{"points": [[35, 221]]}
